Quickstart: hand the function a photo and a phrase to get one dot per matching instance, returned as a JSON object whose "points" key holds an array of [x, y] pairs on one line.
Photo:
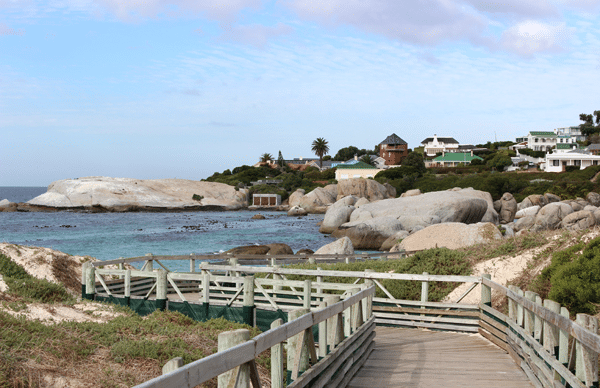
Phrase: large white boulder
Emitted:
{"points": [[550, 216], [317, 201], [342, 246], [452, 235], [125, 194], [364, 188]]}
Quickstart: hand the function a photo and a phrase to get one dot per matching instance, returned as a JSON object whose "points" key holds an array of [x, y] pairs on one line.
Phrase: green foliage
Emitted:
{"points": [[573, 278], [588, 128], [9, 268], [415, 160], [366, 159], [439, 261], [244, 175], [197, 197], [495, 145], [499, 161], [320, 147], [280, 160], [532, 153], [266, 157]]}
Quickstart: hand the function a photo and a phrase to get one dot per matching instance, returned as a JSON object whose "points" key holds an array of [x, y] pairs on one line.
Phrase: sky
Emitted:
{"points": [[153, 89]]}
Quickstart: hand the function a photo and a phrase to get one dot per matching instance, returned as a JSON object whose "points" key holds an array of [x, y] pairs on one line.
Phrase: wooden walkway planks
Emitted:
{"points": [[420, 358]]}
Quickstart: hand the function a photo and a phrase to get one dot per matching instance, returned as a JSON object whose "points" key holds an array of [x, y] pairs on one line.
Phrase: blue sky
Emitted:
{"points": [[181, 89]]}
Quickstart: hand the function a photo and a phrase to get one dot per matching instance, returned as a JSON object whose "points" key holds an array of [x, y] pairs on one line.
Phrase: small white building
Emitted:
{"points": [[355, 170], [556, 162]]}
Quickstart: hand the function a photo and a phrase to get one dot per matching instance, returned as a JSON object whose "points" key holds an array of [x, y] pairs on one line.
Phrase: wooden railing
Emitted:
{"points": [[553, 350]]}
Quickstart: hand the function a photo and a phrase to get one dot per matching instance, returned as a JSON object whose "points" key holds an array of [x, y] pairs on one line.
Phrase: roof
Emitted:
{"points": [[447, 140], [456, 157], [595, 146], [542, 133], [357, 165], [566, 146], [393, 139]]}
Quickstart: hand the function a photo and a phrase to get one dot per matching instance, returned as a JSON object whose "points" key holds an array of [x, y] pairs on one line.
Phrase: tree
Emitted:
{"points": [[280, 160], [366, 159], [588, 128], [499, 161], [320, 147], [266, 157], [346, 153], [415, 159]]}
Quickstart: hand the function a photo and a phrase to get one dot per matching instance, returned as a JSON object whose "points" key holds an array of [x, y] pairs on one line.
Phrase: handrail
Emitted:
{"points": [[202, 370]]}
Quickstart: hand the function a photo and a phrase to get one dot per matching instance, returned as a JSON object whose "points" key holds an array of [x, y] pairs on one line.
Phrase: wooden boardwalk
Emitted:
{"points": [[419, 358]]}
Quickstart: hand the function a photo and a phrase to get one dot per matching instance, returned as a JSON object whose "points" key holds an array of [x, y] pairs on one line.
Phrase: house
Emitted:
{"points": [[566, 147], [357, 169], [393, 150], [547, 140], [574, 132], [433, 145], [376, 161], [556, 162], [593, 149], [266, 200], [453, 159]]}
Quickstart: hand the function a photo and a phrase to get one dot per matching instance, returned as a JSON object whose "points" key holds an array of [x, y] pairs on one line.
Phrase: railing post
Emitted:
{"points": [[368, 304], [334, 327], [486, 291], [563, 341], [84, 268], [551, 331], [529, 315], [292, 345], [307, 294], [127, 286], [538, 322], [350, 315], [319, 280], [90, 282], [311, 260], [161, 289], [277, 359], [512, 305], [248, 308], [206, 293], [424, 290], [149, 266], [322, 333], [586, 364], [172, 364], [121, 267], [226, 340], [276, 287], [192, 263]]}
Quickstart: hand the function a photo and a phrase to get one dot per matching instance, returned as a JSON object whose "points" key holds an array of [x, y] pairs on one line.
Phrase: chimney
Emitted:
{"points": [[443, 153], [471, 152], [355, 156]]}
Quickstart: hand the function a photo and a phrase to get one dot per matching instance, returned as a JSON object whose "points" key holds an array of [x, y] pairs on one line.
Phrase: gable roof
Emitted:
{"points": [[594, 146], [393, 139], [542, 133], [446, 140], [456, 157], [357, 165]]}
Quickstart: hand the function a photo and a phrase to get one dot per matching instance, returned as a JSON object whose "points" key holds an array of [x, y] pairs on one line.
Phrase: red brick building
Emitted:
{"points": [[393, 149]]}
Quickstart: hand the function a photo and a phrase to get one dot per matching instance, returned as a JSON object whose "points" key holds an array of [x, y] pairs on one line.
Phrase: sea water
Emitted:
{"points": [[107, 236]]}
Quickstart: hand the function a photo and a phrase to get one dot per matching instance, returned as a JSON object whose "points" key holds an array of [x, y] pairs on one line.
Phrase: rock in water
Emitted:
{"points": [[452, 235], [342, 246], [258, 217], [317, 200], [124, 194], [296, 211], [370, 234], [250, 250]]}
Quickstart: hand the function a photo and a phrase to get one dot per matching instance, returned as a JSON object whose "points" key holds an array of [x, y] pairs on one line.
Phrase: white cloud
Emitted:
{"points": [[530, 37], [255, 35], [518, 8]]}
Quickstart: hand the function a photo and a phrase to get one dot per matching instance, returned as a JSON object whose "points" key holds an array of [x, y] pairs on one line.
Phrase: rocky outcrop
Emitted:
{"points": [[294, 198], [297, 211], [529, 211], [411, 193], [364, 188], [393, 240], [369, 234], [550, 216], [533, 200], [305, 251], [551, 198], [578, 220], [268, 249], [336, 215], [508, 208], [593, 198], [317, 201], [279, 249], [7, 206], [452, 235], [342, 246], [124, 194], [361, 202], [258, 217], [524, 223]]}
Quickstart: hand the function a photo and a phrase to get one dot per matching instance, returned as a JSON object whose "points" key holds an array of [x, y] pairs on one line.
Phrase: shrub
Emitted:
{"points": [[9, 268]]}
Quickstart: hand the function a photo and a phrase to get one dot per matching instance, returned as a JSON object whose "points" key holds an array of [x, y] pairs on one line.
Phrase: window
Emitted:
{"points": [[344, 176], [577, 162], [536, 139], [595, 162], [555, 163], [561, 140]]}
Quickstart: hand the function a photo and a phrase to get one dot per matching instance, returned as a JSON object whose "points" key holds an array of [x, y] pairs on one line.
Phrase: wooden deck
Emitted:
{"points": [[420, 358]]}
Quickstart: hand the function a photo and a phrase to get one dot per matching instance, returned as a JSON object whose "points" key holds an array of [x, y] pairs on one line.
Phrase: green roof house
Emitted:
{"points": [[453, 159], [355, 169]]}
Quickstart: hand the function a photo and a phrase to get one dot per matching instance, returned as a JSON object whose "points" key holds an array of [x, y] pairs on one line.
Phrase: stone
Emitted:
{"points": [[533, 200], [508, 230], [258, 217], [393, 240], [294, 198], [5, 203], [391, 190], [342, 246], [317, 201], [279, 249], [363, 188], [411, 193], [297, 211], [7, 206], [249, 250], [508, 208], [498, 205], [452, 235], [360, 202], [593, 198], [490, 215], [125, 194], [360, 215], [573, 204], [551, 198], [336, 216], [332, 190], [529, 211], [590, 208], [345, 201], [550, 216], [525, 222], [369, 234], [414, 223], [305, 251], [578, 220]]}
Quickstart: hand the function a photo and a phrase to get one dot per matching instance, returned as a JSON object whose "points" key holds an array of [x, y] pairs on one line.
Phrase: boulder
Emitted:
{"points": [[279, 249], [294, 198], [590, 208], [534, 200], [578, 220], [393, 240], [332, 190], [342, 246], [391, 190], [317, 201], [124, 194], [529, 211], [508, 208], [6, 203], [363, 188], [550, 216], [360, 215], [414, 223], [498, 205], [305, 251], [573, 204], [297, 211], [7, 206], [551, 198], [369, 234], [507, 230], [258, 217], [411, 193], [335, 216], [249, 250], [346, 201], [452, 235], [360, 202], [490, 215], [593, 198], [523, 223]]}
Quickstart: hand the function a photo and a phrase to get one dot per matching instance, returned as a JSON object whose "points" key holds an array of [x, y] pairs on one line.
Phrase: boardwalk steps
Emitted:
{"points": [[537, 335]]}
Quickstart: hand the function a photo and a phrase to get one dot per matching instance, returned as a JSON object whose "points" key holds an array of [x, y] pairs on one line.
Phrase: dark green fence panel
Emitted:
{"points": [[264, 318], [195, 311], [142, 307]]}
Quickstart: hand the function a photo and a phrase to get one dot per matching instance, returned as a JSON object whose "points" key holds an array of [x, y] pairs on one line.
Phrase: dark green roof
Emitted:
{"points": [[358, 165], [457, 157], [566, 146], [542, 133]]}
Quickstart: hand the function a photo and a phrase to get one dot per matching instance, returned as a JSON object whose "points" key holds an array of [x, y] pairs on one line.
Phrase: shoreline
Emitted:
{"points": [[24, 207]]}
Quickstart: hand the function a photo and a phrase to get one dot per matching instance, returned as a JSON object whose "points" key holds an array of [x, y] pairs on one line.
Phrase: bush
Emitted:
{"points": [[9, 268]]}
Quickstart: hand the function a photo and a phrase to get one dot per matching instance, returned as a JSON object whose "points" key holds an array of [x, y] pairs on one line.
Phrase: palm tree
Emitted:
{"points": [[266, 157], [366, 159], [320, 148]]}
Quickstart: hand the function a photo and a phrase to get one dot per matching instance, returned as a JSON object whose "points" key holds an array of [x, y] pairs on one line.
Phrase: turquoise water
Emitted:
{"points": [[108, 236]]}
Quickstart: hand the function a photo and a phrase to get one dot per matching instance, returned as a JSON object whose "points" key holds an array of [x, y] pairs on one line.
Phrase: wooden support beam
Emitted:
{"points": [[238, 377]]}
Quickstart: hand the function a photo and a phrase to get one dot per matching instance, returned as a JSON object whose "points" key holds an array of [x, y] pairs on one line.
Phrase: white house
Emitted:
{"points": [[355, 170], [556, 162], [435, 144], [546, 140]]}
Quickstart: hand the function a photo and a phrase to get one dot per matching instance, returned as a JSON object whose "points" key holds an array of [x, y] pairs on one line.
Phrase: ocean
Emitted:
{"points": [[107, 236]]}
